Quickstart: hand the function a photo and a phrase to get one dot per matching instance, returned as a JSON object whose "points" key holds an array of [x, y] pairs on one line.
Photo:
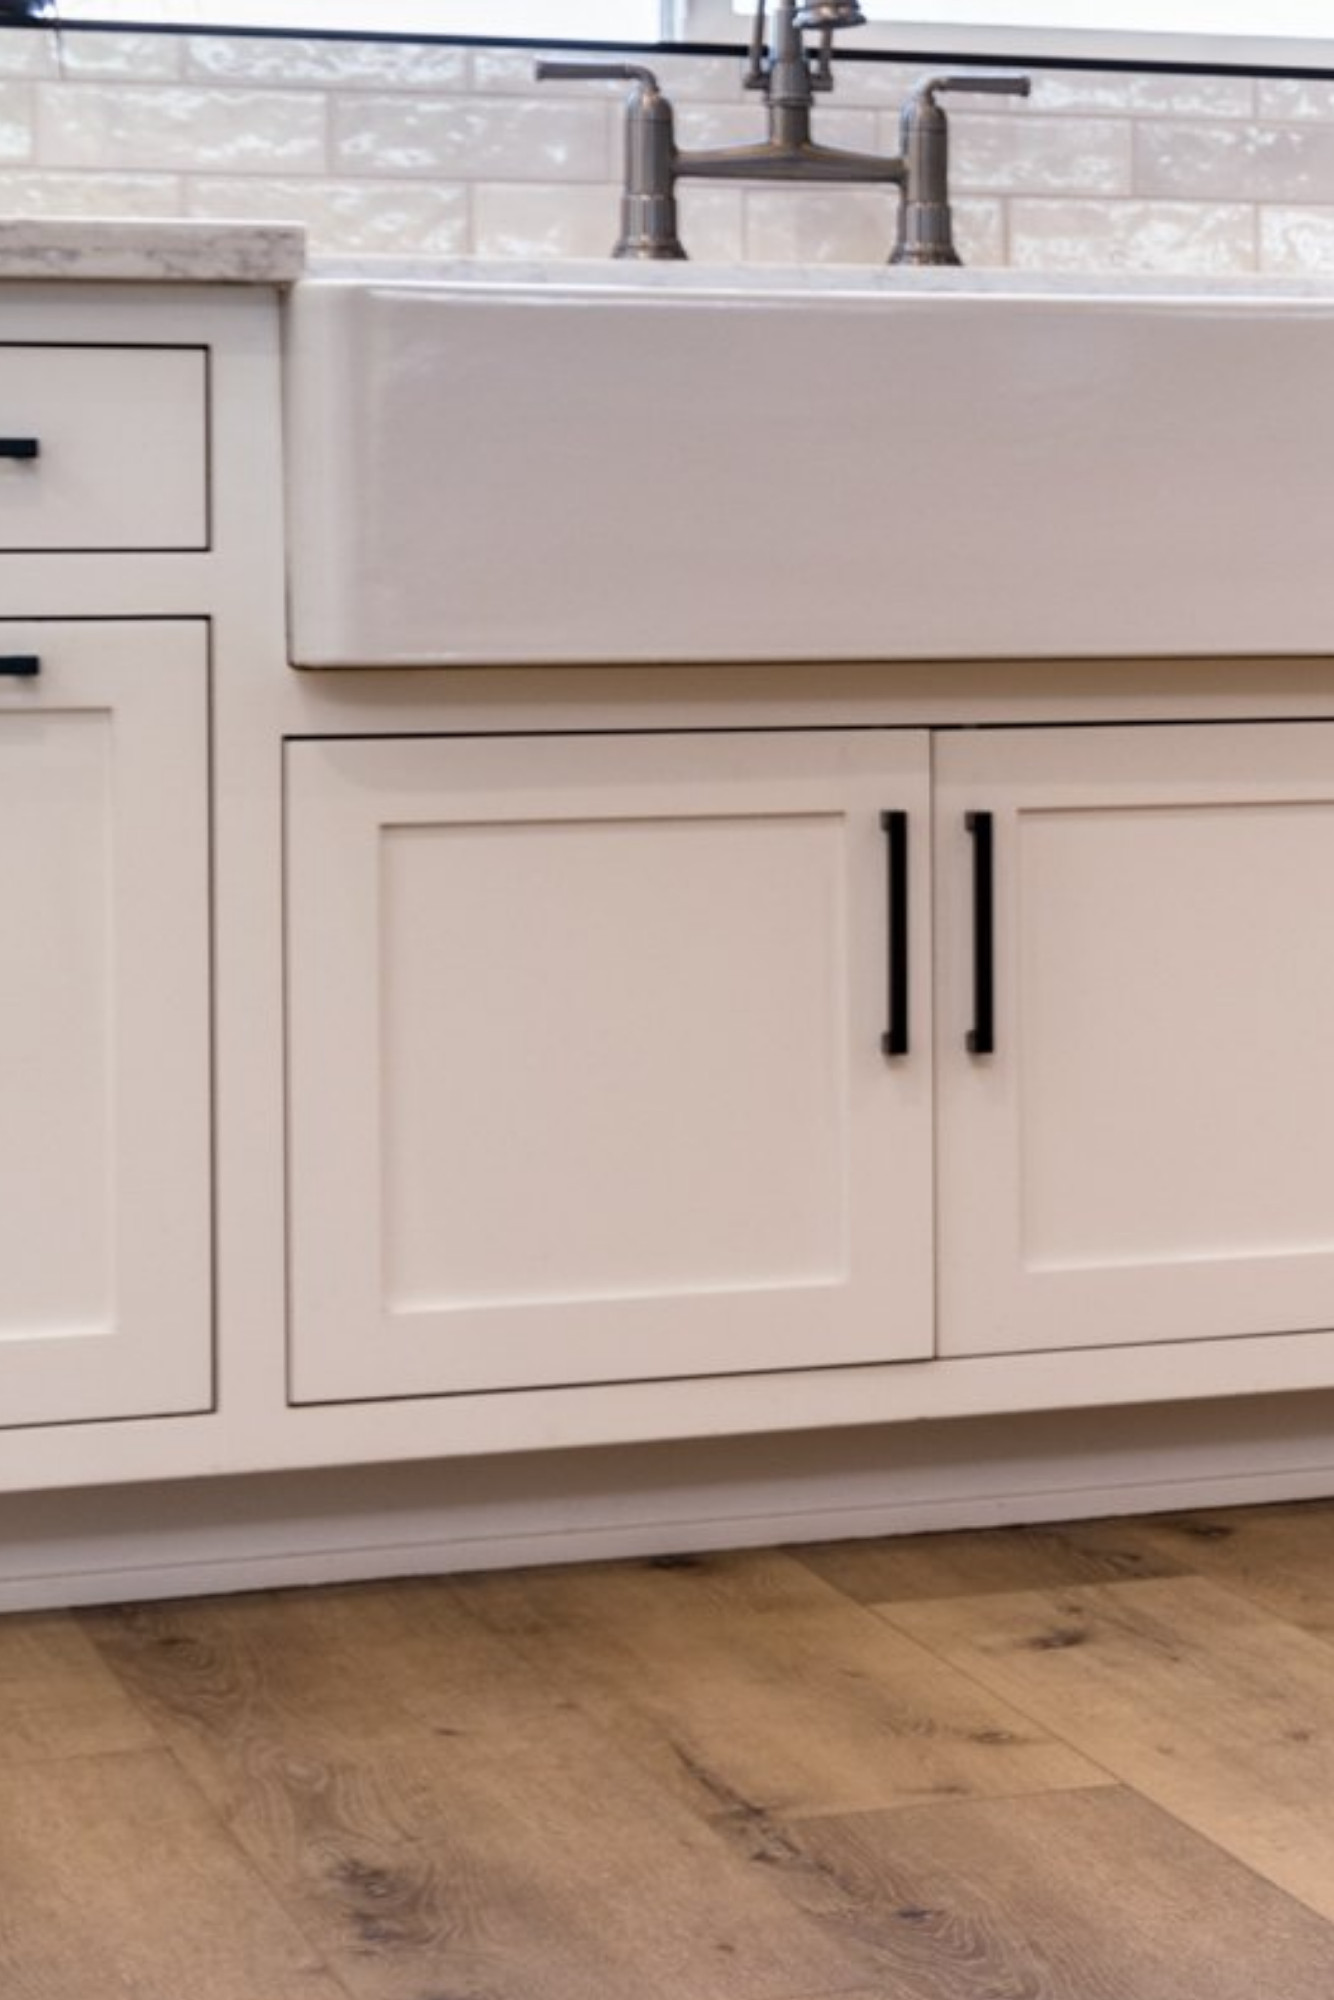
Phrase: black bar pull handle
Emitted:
{"points": [[20, 666], [20, 447], [981, 1039], [895, 1039]]}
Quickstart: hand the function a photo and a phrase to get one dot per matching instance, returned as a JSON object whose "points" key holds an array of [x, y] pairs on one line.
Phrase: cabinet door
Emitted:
{"points": [[587, 1075], [105, 1258], [1148, 1155]]}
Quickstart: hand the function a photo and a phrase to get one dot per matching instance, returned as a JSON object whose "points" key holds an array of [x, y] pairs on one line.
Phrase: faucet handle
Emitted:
{"points": [[993, 83], [589, 72]]}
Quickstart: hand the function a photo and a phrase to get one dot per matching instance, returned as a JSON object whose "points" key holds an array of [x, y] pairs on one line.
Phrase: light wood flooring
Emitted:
{"points": [[1092, 1763]]}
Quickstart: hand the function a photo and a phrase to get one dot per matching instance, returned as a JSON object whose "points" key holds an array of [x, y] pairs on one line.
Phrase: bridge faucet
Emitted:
{"points": [[789, 75]]}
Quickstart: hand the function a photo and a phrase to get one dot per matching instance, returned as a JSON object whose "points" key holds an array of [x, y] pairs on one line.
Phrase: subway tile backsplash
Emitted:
{"points": [[179, 129], [422, 148]]}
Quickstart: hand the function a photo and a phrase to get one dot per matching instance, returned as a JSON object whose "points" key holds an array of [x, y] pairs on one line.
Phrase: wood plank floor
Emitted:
{"points": [[1092, 1763]]}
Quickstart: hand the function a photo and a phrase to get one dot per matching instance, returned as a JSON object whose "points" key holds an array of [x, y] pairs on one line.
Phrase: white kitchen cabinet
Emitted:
{"points": [[105, 1258], [588, 1080], [550, 1110], [1148, 1154]]}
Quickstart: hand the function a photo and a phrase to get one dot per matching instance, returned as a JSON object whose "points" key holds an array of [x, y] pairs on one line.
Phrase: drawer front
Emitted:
{"points": [[103, 448]]}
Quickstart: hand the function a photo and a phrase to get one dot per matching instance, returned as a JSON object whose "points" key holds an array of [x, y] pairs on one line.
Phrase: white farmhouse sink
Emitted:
{"points": [[611, 463]]}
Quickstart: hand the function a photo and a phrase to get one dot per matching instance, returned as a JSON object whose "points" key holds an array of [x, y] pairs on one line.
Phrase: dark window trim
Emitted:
{"points": [[919, 58]]}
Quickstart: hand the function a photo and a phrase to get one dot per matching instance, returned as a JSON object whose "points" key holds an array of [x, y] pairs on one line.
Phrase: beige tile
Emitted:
{"points": [[136, 58], [856, 226], [980, 235], [284, 60], [473, 138], [1241, 162], [137, 196], [1124, 91], [712, 222], [510, 220], [242, 131], [411, 219], [29, 52], [1009, 155], [1295, 97], [1184, 236], [821, 225], [1297, 241]]}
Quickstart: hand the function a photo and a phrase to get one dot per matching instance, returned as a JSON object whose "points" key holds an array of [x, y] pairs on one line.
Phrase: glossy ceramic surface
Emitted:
{"points": [[593, 463]]}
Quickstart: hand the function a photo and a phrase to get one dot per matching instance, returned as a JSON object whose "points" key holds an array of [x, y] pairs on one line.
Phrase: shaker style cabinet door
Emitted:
{"points": [[1147, 1152], [587, 1077], [105, 1234]]}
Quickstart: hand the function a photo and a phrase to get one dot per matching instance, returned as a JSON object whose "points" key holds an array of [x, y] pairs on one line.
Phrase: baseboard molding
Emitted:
{"points": [[352, 1525]]}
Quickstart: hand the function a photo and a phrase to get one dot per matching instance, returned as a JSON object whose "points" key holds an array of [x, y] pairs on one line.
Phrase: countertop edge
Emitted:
{"points": [[161, 252]]}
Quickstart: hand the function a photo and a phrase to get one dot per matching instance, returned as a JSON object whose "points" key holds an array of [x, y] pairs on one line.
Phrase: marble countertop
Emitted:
{"points": [[264, 253], [212, 253]]}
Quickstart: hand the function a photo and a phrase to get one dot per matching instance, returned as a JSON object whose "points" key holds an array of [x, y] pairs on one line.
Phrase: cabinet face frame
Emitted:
{"points": [[1148, 1154], [787, 817], [106, 1049]]}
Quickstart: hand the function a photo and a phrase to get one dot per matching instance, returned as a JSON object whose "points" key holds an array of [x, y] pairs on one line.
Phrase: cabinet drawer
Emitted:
{"points": [[103, 448]]}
